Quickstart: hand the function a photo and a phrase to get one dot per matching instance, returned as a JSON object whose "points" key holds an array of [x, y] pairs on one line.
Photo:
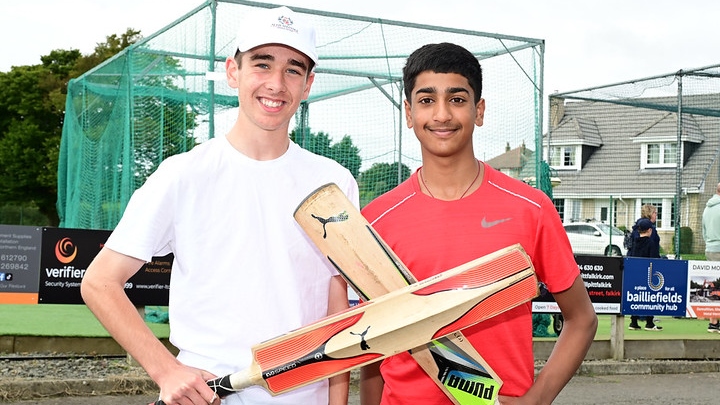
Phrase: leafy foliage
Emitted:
{"points": [[32, 102], [31, 117], [32, 109], [379, 179], [26, 214], [343, 152], [686, 240]]}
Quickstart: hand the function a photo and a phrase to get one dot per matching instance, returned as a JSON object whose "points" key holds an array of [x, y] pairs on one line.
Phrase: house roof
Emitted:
{"points": [[576, 130], [612, 136], [665, 130], [512, 159]]}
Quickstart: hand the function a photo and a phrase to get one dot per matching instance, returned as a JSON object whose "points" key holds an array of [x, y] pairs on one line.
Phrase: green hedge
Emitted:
{"points": [[686, 240]]}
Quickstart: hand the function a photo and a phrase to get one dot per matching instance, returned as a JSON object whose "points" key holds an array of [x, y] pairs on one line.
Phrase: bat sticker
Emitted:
{"points": [[363, 343], [343, 216]]}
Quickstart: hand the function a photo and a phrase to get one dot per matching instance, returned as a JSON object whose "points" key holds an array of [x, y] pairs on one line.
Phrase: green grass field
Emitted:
{"points": [[78, 321], [58, 320], [673, 329]]}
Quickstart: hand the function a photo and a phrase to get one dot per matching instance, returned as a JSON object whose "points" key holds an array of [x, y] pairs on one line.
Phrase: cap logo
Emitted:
{"points": [[285, 23], [285, 20]]}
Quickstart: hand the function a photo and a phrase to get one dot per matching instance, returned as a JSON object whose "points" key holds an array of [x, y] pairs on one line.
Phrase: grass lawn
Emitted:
{"points": [[77, 320], [58, 320], [673, 329]]}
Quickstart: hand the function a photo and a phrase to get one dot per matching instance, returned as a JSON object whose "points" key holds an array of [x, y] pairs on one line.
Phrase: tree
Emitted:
{"points": [[141, 114], [31, 116], [32, 103], [113, 45], [348, 155], [379, 179], [343, 152], [22, 215], [155, 115]]}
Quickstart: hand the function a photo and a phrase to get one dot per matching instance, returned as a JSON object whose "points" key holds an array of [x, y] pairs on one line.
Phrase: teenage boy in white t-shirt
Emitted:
{"points": [[244, 271]]}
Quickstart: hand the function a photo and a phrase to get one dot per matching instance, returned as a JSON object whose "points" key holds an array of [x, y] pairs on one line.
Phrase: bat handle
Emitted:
{"points": [[220, 385]]}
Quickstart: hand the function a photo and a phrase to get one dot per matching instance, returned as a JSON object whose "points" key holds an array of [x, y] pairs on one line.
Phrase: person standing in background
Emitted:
{"points": [[644, 246], [711, 236], [647, 236], [648, 211]]}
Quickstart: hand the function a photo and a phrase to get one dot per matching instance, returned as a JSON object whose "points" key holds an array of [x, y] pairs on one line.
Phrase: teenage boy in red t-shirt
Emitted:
{"points": [[455, 209]]}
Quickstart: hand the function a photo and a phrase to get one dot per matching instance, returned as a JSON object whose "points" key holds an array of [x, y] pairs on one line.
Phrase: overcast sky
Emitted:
{"points": [[588, 43]]}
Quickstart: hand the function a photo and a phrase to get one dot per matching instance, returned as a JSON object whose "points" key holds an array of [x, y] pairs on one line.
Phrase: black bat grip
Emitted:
{"points": [[220, 385]]}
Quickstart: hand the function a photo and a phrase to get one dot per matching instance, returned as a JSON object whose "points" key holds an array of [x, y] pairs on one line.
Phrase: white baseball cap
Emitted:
{"points": [[277, 26]]}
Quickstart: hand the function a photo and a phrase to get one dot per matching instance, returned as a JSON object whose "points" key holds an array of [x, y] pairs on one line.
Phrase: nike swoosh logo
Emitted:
{"points": [[485, 224]]}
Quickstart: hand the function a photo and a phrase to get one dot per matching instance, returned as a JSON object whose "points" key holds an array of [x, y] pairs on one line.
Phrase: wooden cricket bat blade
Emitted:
{"points": [[360, 255], [372, 269], [393, 323]]}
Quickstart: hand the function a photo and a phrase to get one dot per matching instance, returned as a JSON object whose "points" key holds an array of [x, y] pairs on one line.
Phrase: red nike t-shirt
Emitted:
{"points": [[431, 236]]}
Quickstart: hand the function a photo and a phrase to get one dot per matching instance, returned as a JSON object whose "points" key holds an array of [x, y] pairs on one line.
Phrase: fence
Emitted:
{"points": [[652, 141], [165, 94]]}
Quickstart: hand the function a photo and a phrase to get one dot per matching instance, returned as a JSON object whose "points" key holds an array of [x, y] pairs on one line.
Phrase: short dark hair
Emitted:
{"points": [[443, 58]]}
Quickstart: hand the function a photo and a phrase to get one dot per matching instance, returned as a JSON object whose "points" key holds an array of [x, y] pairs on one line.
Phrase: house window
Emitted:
{"points": [[560, 207], [572, 210], [665, 211], [660, 155], [564, 157], [616, 208], [672, 214], [603, 214]]}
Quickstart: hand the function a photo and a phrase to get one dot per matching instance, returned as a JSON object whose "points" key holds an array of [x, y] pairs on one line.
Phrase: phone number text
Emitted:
{"points": [[13, 258]]}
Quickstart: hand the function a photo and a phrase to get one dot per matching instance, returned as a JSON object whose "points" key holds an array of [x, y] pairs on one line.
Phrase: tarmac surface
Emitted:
{"points": [[597, 382]]}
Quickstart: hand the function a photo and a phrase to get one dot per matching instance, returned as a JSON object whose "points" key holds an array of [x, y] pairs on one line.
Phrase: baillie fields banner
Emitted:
{"points": [[655, 287]]}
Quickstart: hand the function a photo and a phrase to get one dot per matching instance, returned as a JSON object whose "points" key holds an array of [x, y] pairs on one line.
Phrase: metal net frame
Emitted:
{"points": [[167, 93], [617, 146]]}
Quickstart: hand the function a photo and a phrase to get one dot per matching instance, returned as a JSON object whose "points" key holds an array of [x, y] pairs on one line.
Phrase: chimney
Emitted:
{"points": [[557, 111]]}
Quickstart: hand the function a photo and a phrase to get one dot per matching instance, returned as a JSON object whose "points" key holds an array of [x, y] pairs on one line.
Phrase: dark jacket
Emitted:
{"points": [[644, 246], [654, 236]]}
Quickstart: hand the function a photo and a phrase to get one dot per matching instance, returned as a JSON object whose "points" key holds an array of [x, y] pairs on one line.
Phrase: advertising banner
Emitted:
{"points": [[151, 284], [603, 279], [703, 289], [19, 264], [66, 255], [654, 287]]}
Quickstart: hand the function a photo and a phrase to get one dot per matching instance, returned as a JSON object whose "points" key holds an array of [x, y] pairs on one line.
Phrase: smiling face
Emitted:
{"points": [[442, 113], [271, 80]]}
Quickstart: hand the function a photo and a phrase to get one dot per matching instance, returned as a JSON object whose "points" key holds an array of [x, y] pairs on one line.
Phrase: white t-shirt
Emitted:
{"points": [[244, 270]]}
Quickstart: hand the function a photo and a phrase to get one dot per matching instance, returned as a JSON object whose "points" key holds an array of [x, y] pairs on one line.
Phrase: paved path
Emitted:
{"points": [[676, 389]]}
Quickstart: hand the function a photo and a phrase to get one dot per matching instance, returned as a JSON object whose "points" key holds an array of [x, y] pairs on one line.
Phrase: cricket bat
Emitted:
{"points": [[395, 322], [372, 269]]}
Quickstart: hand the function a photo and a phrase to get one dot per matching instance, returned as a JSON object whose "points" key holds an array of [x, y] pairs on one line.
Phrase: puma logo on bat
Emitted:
{"points": [[343, 216], [363, 343]]}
